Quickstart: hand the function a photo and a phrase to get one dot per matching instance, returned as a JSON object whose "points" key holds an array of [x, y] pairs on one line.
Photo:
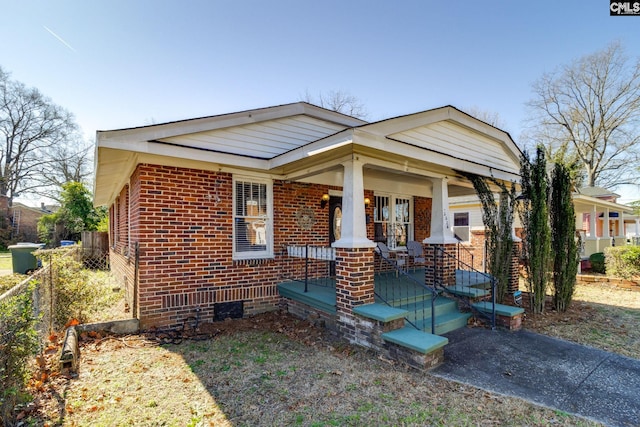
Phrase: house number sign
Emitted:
{"points": [[305, 218]]}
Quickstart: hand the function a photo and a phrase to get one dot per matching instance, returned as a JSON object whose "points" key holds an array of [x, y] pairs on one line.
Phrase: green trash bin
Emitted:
{"points": [[22, 257]]}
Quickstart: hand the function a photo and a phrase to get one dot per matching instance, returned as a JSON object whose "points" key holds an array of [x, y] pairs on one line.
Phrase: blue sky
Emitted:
{"points": [[117, 64]]}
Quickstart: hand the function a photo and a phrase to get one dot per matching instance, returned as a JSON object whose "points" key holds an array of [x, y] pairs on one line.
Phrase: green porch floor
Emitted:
{"points": [[323, 297]]}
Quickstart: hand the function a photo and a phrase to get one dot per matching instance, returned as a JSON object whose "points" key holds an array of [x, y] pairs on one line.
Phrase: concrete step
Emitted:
{"points": [[445, 323], [422, 310], [408, 299], [414, 339], [474, 279], [467, 291]]}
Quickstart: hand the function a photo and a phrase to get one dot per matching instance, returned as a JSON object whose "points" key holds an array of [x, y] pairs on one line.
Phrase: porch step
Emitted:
{"points": [[445, 323], [467, 291], [422, 310], [414, 339], [473, 279], [501, 309], [472, 276], [408, 300], [322, 299]]}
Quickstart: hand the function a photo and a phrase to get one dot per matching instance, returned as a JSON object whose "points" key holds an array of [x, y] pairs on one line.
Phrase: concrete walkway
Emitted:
{"points": [[554, 373]]}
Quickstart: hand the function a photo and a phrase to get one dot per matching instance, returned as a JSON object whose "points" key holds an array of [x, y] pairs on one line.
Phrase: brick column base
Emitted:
{"points": [[440, 264], [514, 271], [354, 286]]}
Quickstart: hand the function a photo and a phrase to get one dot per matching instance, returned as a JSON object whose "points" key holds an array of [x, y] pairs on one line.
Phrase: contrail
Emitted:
{"points": [[59, 38]]}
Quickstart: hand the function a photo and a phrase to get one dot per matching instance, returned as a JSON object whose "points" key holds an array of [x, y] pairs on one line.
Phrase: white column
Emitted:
{"points": [[441, 232], [354, 227], [605, 224], [592, 223]]}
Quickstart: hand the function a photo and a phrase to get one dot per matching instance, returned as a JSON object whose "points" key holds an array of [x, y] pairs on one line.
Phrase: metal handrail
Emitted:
{"points": [[460, 247], [402, 280], [472, 273], [302, 263]]}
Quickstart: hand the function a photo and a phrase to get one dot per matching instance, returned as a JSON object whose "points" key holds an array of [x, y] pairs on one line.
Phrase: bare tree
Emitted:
{"points": [[32, 129], [339, 101], [486, 116], [69, 162], [588, 112]]}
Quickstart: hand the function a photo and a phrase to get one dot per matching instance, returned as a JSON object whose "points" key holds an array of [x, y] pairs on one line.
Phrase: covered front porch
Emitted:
{"points": [[387, 184], [602, 223]]}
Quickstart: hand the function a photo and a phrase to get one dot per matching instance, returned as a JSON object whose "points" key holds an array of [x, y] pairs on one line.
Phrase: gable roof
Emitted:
{"points": [[597, 192], [276, 139]]}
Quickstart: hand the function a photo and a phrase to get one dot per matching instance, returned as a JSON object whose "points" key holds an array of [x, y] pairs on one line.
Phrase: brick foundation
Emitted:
{"points": [[365, 332]]}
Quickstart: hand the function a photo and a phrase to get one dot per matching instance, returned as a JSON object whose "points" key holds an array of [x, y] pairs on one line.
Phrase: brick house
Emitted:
{"points": [[199, 209], [24, 220]]}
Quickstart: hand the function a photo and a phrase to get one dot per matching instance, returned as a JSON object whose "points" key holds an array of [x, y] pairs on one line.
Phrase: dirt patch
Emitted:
{"points": [[268, 370]]}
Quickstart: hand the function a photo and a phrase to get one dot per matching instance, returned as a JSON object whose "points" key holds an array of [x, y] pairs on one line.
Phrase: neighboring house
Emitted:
{"points": [[23, 221], [200, 209], [601, 221], [591, 204]]}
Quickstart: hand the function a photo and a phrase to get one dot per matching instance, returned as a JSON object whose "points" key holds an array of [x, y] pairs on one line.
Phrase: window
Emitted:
{"points": [[461, 226], [393, 219], [252, 216]]}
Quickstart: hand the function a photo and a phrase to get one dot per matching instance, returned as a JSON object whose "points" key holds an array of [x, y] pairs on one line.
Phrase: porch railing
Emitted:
{"points": [[468, 283], [398, 288], [309, 264], [465, 256]]}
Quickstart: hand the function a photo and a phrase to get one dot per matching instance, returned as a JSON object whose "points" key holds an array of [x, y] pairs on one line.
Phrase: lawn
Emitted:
{"points": [[601, 315], [271, 370], [5, 261], [277, 370]]}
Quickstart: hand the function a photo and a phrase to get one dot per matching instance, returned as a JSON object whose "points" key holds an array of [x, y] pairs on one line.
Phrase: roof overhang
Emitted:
{"points": [[434, 143], [584, 203]]}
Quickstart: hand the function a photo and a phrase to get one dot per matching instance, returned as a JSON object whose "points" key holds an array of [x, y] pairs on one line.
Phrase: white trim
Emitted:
{"points": [[392, 197], [268, 252]]}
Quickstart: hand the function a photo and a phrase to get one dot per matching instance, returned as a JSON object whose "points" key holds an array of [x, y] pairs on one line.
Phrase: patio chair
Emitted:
{"points": [[384, 252], [416, 253]]}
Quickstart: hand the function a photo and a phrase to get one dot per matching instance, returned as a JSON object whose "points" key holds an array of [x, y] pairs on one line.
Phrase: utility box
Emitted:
{"points": [[22, 257]]}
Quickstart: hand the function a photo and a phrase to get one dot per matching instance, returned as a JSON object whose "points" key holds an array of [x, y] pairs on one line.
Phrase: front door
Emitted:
{"points": [[335, 225]]}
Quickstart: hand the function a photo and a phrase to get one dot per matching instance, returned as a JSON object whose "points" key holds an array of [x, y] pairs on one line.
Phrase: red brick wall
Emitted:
{"points": [[121, 258], [182, 220], [421, 218]]}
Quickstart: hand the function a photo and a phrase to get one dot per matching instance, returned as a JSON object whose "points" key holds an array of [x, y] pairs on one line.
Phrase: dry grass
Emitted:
{"points": [[271, 370], [276, 370], [602, 315]]}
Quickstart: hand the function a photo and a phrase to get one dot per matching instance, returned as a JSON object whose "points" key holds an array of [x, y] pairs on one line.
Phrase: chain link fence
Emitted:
{"points": [[43, 282]]}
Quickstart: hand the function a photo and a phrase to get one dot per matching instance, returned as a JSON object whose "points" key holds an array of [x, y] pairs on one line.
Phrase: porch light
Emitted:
{"points": [[367, 202], [324, 200]]}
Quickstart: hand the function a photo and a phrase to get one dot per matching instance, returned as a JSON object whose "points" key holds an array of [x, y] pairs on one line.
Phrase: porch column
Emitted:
{"points": [[440, 268], [354, 252], [441, 232], [592, 223], [354, 227]]}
